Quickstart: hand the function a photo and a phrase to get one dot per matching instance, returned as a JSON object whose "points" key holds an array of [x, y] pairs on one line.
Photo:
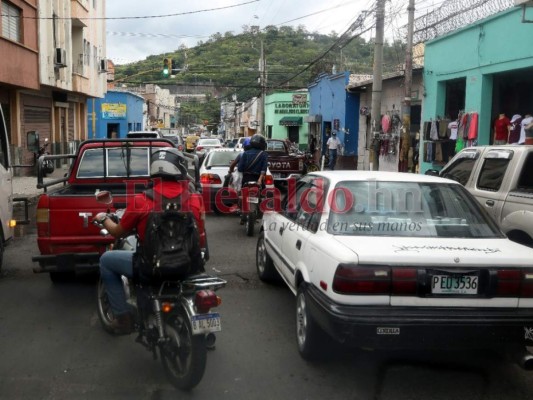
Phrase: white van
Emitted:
{"points": [[6, 189]]}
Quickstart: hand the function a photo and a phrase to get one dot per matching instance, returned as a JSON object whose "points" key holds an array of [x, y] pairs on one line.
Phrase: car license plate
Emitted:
{"points": [[253, 199], [454, 284], [205, 323]]}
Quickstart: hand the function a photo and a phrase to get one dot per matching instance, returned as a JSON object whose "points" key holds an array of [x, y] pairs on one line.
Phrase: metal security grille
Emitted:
{"points": [[11, 21]]}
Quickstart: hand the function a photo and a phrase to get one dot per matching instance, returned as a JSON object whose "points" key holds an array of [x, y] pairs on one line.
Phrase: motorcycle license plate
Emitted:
{"points": [[206, 323], [253, 199]]}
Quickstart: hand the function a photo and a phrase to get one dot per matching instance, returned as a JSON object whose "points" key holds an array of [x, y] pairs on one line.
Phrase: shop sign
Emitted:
{"points": [[113, 111]]}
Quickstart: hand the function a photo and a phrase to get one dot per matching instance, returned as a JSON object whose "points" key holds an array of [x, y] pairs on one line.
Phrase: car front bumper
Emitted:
{"points": [[420, 327]]}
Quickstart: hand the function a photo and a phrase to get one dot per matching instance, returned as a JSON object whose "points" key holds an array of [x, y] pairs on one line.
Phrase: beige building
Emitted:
{"points": [[65, 46]]}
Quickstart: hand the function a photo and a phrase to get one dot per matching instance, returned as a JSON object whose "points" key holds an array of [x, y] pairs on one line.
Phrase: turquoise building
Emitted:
{"points": [[486, 69], [284, 117]]}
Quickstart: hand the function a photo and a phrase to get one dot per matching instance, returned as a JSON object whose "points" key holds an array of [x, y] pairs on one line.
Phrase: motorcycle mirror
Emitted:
{"points": [[104, 197]]}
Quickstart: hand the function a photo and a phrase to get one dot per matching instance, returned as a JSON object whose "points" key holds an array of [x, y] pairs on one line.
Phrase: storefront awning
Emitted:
{"points": [[291, 121]]}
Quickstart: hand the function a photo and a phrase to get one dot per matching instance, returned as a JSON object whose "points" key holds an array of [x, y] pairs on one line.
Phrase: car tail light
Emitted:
{"points": [[404, 281], [269, 180], [210, 179], [199, 148], [509, 281], [204, 300], [355, 279], [527, 284]]}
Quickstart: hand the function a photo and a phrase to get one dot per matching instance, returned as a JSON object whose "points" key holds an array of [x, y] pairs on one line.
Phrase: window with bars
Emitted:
{"points": [[11, 22]]}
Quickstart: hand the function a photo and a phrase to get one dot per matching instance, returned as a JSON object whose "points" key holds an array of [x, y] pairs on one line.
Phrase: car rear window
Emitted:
{"points": [[209, 142], [221, 158], [371, 208], [120, 162], [275, 146]]}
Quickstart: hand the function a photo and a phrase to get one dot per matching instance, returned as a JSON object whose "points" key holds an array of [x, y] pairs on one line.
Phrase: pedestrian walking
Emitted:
{"points": [[333, 144]]}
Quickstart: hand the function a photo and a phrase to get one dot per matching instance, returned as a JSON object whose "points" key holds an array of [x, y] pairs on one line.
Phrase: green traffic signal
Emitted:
{"points": [[166, 67]]}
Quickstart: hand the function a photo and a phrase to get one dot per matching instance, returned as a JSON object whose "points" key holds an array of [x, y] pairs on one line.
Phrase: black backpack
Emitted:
{"points": [[171, 247]]}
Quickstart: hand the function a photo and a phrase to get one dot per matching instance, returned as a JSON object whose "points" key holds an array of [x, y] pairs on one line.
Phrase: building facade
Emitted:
{"points": [[53, 61], [491, 74], [115, 115], [284, 116], [333, 108]]}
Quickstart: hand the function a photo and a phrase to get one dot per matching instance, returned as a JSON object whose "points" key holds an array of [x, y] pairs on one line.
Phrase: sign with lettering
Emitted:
{"points": [[113, 111]]}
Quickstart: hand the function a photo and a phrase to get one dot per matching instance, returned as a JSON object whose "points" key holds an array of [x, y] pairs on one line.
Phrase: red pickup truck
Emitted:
{"points": [[68, 242], [283, 164]]}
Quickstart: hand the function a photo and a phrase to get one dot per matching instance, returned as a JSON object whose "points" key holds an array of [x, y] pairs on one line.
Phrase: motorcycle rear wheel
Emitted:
{"points": [[250, 223], [312, 167], [105, 315], [184, 356]]}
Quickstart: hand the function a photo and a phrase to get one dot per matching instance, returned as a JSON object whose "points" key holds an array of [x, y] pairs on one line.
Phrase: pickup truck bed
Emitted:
{"points": [[68, 242]]}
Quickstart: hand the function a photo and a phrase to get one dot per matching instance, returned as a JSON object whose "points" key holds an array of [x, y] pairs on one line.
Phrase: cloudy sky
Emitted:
{"points": [[138, 33]]}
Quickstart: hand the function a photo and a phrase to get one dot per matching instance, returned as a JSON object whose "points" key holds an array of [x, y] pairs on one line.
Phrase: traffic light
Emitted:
{"points": [[167, 67]]}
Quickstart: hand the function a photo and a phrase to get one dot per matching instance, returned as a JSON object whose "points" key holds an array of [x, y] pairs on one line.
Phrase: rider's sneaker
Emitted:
{"points": [[123, 324]]}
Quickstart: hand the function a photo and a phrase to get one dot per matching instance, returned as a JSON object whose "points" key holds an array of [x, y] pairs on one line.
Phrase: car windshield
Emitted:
{"points": [[404, 209], [221, 158], [209, 142]]}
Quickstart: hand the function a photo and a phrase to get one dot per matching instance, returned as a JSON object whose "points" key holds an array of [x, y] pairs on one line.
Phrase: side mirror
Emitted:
{"points": [[432, 172], [104, 197], [32, 141]]}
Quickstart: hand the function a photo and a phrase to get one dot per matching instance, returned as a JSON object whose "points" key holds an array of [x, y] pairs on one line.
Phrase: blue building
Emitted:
{"points": [[115, 115], [332, 108]]}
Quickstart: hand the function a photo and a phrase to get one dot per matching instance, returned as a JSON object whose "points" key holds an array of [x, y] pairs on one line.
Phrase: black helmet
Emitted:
{"points": [[168, 163], [258, 142]]}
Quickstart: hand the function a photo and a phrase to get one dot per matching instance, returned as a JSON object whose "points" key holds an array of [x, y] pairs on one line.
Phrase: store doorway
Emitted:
{"points": [[112, 131], [294, 134], [455, 98]]}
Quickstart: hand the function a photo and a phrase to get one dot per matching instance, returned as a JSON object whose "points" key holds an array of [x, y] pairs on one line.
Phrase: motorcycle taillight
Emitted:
{"points": [[204, 300]]}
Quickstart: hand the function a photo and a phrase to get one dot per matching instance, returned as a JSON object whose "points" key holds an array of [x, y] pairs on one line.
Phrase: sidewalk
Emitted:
{"points": [[26, 186]]}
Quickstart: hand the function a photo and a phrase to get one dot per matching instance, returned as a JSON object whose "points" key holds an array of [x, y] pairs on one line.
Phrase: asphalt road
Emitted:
{"points": [[52, 347]]}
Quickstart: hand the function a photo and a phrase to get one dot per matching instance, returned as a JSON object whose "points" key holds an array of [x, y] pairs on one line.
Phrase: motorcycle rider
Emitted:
{"points": [[170, 180], [253, 163]]}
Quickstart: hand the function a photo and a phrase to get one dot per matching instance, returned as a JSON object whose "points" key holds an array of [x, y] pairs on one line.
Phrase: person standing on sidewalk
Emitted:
{"points": [[334, 145]]}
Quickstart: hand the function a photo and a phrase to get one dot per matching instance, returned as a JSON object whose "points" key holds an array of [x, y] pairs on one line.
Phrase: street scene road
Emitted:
{"points": [[54, 348]]}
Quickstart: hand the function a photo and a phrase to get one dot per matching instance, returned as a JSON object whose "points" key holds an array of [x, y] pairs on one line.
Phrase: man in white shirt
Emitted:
{"points": [[528, 119], [333, 144]]}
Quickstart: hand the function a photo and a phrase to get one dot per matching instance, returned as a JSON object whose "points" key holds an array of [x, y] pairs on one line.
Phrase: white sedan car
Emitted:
{"points": [[396, 260], [212, 173]]}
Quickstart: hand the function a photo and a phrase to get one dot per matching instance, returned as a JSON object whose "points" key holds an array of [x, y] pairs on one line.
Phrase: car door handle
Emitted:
{"points": [[490, 203], [298, 244], [281, 231]]}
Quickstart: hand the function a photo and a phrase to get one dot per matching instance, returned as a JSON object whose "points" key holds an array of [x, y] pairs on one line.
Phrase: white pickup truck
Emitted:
{"points": [[501, 179]]}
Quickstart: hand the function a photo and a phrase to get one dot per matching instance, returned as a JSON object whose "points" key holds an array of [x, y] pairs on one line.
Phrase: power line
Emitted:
{"points": [[140, 17]]}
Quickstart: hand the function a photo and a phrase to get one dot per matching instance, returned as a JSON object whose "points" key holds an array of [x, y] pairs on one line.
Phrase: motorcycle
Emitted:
{"points": [[307, 156], [250, 205], [48, 165], [173, 317]]}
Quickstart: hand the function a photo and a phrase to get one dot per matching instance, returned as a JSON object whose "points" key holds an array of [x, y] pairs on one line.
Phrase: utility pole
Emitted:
{"points": [[373, 135], [406, 105], [262, 81]]}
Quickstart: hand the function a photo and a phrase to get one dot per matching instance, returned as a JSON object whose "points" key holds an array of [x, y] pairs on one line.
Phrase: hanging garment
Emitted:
{"points": [[514, 134], [434, 133], [461, 128], [472, 128], [438, 152], [443, 128], [386, 123], [459, 144], [453, 129], [427, 130]]}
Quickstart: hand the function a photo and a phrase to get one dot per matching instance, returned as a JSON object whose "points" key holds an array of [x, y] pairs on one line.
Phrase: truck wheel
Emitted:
{"points": [[312, 340], [62, 277], [265, 266]]}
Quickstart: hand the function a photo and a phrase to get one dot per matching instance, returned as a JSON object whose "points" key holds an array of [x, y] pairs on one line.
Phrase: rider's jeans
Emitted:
{"points": [[113, 264]]}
